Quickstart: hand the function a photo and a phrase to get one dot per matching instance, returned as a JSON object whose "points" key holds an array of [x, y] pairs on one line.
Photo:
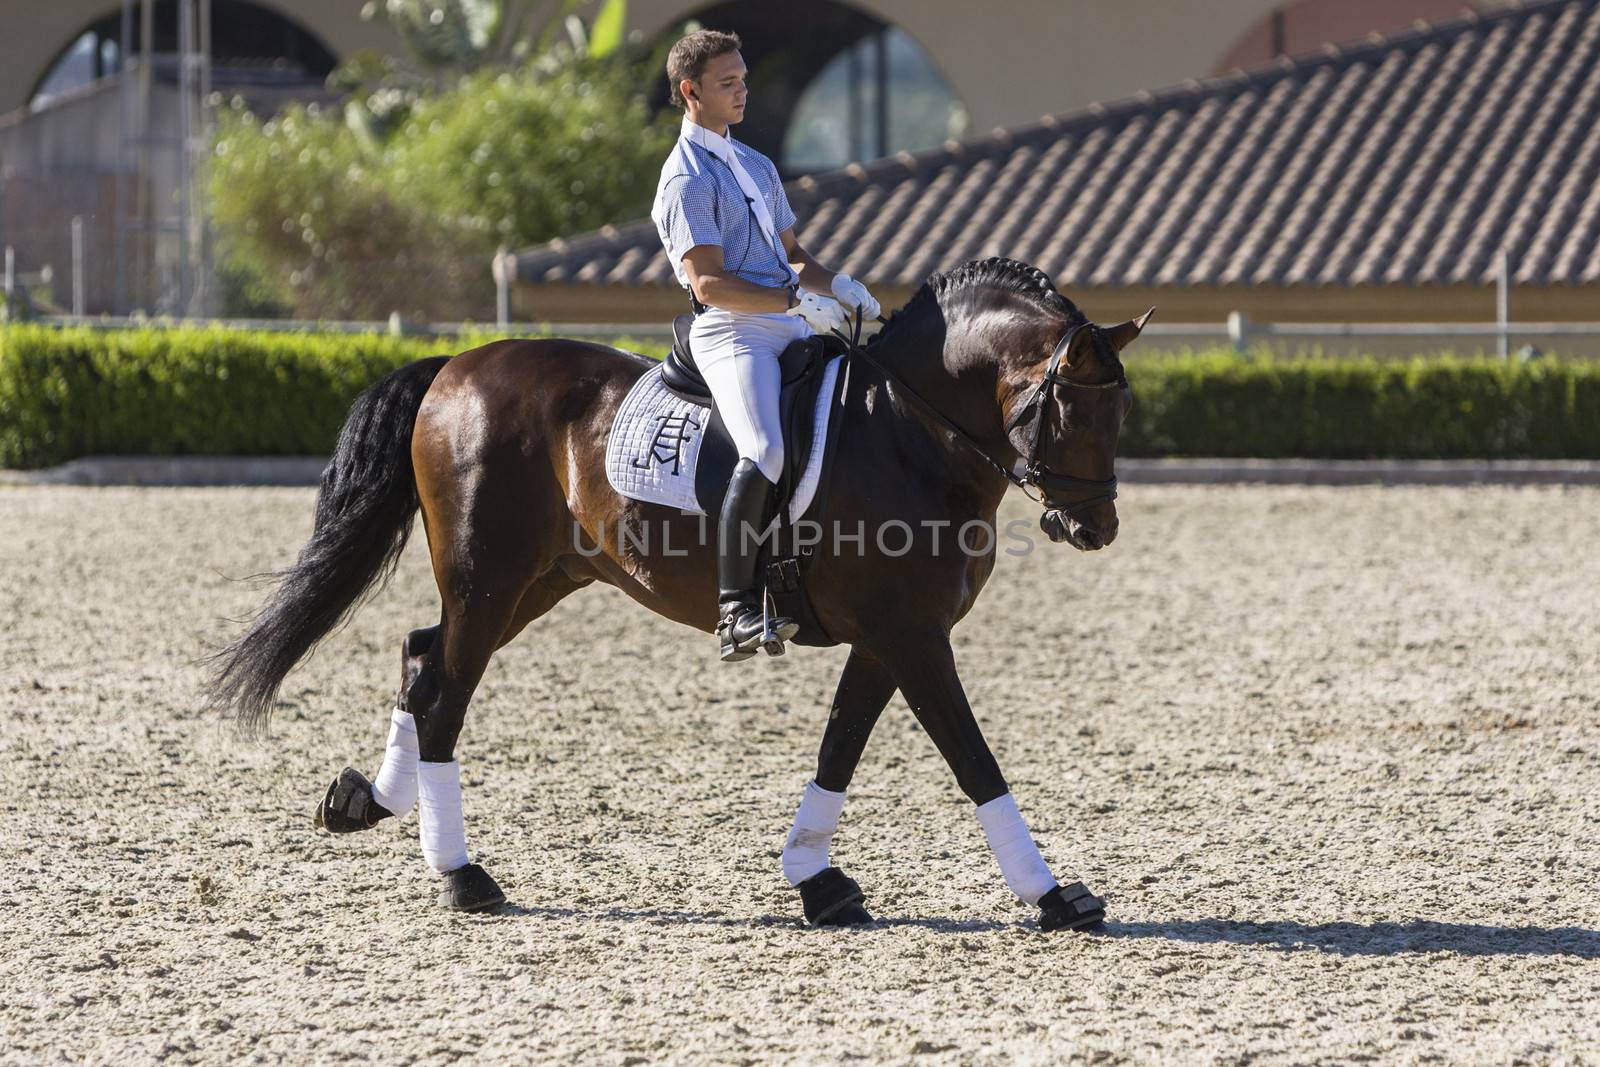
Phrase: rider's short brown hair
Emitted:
{"points": [[689, 57]]}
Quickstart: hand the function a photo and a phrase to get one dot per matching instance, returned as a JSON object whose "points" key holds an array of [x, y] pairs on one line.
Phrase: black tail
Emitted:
{"points": [[364, 513]]}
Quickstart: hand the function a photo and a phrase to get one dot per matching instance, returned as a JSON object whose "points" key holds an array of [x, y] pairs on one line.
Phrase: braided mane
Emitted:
{"points": [[997, 272]]}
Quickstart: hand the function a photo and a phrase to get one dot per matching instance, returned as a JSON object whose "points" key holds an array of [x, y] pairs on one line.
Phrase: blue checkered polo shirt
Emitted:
{"points": [[699, 202]]}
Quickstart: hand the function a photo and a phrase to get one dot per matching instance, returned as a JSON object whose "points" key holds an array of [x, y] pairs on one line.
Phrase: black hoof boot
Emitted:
{"points": [[832, 898], [348, 805], [470, 888], [1071, 907]]}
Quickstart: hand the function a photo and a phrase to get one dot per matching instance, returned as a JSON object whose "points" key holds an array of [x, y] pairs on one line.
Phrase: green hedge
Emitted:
{"points": [[1222, 404], [66, 393], [75, 392]]}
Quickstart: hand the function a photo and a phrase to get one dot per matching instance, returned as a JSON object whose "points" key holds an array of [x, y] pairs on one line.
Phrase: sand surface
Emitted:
{"points": [[1332, 755]]}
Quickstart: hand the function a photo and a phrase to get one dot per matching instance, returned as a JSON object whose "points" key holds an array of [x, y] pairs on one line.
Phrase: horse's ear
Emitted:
{"points": [[1124, 334]]}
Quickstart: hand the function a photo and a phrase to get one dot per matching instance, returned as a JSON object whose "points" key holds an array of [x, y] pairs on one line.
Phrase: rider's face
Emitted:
{"points": [[720, 91]]}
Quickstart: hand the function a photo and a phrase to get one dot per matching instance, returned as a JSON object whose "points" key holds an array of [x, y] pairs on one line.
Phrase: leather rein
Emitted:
{"points": [[1030, 472]]}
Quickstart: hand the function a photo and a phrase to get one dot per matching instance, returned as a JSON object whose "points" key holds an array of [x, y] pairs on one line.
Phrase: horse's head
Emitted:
{"points": [[1064, 425]]}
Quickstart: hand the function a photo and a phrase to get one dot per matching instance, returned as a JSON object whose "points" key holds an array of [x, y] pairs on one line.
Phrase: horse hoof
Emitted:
{"points": [[1071, 907], [849, 915], [832, 898], [470, 888], [348, 805]]}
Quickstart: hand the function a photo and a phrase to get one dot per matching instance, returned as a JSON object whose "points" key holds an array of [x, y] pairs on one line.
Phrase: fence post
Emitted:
{"points": [[1239, 330], [11, 281], [77, 267], [1502, 305], [502, 269]]}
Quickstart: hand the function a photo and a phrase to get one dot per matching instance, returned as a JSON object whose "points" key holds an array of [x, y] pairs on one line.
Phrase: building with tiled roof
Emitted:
{"points": [[1377, 181]]}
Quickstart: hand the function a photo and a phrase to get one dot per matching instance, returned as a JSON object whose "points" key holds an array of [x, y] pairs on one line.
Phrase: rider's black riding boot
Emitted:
{"points": [[745, 513]]}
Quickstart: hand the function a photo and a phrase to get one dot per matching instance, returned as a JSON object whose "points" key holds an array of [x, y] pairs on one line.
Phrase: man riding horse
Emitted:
{"points": [[729, 234], [987, 378]]}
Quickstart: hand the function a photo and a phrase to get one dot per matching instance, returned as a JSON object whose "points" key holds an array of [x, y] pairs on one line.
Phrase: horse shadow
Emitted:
{"points": [[679, 917], [1418, 937]]}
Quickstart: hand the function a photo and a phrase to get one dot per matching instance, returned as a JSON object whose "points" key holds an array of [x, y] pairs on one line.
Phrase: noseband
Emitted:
{"points": [[1031, 469], [1030, 473]]}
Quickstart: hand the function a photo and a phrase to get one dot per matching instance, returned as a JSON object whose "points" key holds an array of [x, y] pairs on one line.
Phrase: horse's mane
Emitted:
{"points": [[997, 272]]}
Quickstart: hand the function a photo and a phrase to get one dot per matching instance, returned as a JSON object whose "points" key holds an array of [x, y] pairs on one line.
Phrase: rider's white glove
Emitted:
{"points": [[852, 294], [822, 313]]}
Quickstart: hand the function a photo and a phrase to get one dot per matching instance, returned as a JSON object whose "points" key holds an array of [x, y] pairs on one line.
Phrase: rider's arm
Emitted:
{"points": [[719, 288], [813, 276]]}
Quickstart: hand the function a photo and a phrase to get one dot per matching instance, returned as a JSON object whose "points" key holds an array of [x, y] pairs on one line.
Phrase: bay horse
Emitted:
{"points": [[988, 376]]}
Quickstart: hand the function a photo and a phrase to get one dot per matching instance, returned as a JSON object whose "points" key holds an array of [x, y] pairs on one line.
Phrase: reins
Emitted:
{"points": [[1034, 474]]}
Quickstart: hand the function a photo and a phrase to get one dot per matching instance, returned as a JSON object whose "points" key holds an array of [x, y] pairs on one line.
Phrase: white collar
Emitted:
{"points": [[710, 140]]}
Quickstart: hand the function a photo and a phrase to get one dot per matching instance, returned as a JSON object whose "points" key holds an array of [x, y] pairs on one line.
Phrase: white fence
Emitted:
{"points": [[1238, 330]]}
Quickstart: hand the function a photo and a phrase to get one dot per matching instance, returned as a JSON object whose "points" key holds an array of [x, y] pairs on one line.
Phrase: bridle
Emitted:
{"points": [[1030, 472], [1034, 472]]}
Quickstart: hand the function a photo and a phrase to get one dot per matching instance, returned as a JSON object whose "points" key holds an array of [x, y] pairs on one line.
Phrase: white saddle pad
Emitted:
{"points": [[655, 445]]}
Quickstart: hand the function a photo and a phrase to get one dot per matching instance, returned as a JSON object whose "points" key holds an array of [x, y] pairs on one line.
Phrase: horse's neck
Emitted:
{"points": [[958, 386]]}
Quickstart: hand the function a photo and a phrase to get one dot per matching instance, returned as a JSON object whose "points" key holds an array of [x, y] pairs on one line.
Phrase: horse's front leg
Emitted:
{"points": [[925, 669], [829, 896]]}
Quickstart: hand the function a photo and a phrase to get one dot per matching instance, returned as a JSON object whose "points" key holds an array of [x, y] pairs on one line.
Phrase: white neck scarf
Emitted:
{"points": [[722, 148]]}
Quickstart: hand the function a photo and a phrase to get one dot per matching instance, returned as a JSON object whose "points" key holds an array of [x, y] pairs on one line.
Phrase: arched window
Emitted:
{"points": [[244, 37], [879, 96], [850, 87]]}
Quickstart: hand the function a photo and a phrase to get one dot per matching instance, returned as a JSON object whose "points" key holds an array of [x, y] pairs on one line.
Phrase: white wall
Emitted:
{"points": [[1012, 61]]}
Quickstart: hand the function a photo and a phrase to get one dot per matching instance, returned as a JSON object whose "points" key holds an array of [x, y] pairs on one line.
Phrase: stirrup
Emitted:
{"points": [[771, 640], [740, 639]]}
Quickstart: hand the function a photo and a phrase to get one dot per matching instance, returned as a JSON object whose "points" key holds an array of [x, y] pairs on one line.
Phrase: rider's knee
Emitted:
{"points": [[769, 457]]}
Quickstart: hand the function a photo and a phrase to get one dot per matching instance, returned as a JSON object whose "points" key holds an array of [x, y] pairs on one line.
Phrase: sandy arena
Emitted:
{"points": [[1333, 756]]}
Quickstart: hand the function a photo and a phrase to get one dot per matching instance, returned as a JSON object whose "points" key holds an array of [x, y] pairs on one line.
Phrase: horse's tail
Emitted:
{"points": [[364, 511]]}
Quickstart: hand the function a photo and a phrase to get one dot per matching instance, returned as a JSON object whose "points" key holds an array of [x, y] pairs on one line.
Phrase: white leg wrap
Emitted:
{"points": [[396, 785], [805, 853], [443, 832], [1024, 869]]}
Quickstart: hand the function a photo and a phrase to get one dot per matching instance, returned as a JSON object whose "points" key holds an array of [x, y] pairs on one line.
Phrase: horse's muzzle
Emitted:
{"points": [[1059, 526]]}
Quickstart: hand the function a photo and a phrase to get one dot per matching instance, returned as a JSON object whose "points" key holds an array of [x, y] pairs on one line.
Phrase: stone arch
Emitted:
{"points": [[241, 30]]}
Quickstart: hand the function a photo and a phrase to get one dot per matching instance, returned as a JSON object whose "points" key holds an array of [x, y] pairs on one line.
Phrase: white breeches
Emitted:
{"points": [[737, 354]]}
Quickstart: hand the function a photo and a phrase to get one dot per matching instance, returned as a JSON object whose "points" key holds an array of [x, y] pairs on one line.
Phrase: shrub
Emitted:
{"points": [[332, 213], [75, 392], [1221, 404]]}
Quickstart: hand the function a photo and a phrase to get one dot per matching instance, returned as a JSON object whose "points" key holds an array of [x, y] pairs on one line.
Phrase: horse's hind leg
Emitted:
{"points": [[829, 896], [352, 802], [474, 627]]}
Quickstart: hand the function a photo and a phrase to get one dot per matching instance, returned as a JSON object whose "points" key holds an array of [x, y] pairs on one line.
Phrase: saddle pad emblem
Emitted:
{"points": [[672, 433], [656, 438]]}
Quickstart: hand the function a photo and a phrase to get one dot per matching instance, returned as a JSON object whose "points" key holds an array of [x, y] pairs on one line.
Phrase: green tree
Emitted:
{"points": [[396, 200]]}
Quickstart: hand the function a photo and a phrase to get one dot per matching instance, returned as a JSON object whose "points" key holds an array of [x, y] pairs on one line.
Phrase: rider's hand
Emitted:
{"points": [[852, 294], [822, 313]]}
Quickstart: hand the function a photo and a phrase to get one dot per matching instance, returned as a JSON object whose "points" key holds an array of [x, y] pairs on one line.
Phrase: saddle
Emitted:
{"points": [[801, 366], [783, 560]]}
